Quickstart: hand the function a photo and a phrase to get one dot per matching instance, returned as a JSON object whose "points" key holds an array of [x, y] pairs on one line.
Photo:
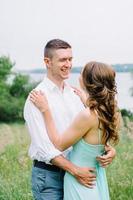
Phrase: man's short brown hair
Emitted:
{"points": [[54, 45]]}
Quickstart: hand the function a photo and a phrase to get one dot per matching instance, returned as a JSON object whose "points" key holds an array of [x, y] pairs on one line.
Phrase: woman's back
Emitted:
{"points": [[84, 155]]}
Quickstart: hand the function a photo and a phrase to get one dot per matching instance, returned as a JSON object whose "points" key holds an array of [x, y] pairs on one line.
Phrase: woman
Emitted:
{"points": [[90, 131]]}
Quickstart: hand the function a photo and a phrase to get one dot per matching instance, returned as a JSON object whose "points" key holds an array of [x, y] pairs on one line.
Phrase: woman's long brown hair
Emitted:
{"points": [[99, 82]]}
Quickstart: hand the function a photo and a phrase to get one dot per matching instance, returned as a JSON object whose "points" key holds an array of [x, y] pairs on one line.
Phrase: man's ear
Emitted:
{"points": [[47, 61]]}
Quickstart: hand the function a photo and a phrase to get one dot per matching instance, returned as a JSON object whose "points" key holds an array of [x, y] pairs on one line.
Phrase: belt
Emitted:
{"points": [[48, 167]]}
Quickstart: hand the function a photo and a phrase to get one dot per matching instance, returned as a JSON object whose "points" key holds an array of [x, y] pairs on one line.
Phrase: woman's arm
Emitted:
{"points": [[78, 128]]}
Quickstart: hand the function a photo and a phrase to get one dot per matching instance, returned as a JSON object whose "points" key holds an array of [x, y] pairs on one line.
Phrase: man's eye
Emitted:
{"points": [[62, 60]]}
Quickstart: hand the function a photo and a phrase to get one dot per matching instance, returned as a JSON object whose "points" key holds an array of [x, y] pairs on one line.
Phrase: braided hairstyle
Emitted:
{"points": [[99, 82]]}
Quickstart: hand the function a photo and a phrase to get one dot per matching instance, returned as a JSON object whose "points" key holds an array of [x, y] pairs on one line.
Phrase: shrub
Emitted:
{"points": [[127, 113], [13, 95]]}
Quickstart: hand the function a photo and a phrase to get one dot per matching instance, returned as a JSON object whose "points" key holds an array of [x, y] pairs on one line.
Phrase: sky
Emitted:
{"points": [[100, 30]]}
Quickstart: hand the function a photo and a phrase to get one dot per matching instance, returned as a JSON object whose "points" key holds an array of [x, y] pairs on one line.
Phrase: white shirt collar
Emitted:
{"points": [[52, 86]]}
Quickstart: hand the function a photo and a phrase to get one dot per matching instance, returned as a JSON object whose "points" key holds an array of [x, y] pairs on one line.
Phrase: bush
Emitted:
{"points": [[5, 67], [11, 108], [12, 96], [127, 113], [20, 86]]}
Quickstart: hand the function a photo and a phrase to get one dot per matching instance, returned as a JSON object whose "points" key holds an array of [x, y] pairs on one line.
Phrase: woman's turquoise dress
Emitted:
{"points": [[84, 155]]}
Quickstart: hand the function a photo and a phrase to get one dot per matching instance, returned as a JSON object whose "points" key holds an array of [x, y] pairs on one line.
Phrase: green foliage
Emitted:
{"points": [[4, 88], [5, 67], [11, 108], [12, 96], [20, 86], [127, 113]]}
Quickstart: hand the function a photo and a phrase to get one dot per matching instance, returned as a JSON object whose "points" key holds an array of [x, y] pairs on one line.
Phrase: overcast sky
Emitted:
{"points": [[99, 30]]}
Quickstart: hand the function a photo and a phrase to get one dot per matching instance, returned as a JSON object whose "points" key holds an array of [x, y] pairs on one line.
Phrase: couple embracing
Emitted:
{"points": [[71, 130]]}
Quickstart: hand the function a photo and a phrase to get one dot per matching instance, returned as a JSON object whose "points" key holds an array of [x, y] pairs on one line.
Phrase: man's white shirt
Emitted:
{"points": [[64, 107]]}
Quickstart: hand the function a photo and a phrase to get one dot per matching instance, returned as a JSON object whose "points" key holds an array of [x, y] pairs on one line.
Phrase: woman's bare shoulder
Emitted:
{"points": [[86, 115]]}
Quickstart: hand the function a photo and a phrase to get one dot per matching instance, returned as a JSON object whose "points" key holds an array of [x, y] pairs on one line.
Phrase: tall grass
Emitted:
{"points": [[120, 172], [15, 166]]}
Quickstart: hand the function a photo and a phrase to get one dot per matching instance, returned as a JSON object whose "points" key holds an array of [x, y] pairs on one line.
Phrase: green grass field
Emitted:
{"points": [[15, 165]]}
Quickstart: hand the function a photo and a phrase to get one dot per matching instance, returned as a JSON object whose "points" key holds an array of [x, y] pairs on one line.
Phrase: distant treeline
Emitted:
{"points": [[123, 67], [77, 69]]}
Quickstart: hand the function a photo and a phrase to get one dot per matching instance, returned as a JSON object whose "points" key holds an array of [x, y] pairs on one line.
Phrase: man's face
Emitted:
{"points": [[59, 66]]}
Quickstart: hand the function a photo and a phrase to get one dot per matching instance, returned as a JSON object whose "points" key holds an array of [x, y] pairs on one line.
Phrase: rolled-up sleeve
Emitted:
{"points": [[41, 147]]}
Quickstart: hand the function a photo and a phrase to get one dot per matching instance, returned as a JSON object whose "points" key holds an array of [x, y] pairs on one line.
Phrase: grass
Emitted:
{"points": [[15, 165], [120, 172]]}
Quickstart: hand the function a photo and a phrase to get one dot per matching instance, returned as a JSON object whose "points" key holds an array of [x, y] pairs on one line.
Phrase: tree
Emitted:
{"points": [[21, 86], [13, 95], [5, 67]]}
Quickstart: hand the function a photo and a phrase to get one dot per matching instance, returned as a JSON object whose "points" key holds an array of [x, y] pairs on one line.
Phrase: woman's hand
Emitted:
{"points": [[39, 100], [82, 94]]}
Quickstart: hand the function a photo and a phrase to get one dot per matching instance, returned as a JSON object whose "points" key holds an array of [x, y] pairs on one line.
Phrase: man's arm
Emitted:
{"points": [[41, 148], [85, 175]]}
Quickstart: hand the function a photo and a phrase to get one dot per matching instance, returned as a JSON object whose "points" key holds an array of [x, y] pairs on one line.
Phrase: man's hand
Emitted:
{"points": [[107, 159], [86, 176]]}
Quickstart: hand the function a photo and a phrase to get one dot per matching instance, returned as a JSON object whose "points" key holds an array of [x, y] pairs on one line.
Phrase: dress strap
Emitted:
{"points": [[99, 136]]}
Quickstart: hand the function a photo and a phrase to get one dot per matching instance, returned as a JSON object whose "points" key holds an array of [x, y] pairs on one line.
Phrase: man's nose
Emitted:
{"points": [[68, 63]]}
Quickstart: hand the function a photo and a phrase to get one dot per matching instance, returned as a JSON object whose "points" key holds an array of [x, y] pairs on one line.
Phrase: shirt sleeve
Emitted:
{"points": [[41, 147]]}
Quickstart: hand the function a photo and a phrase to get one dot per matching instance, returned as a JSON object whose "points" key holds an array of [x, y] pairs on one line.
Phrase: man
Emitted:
{"points": [[49, 163]]}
